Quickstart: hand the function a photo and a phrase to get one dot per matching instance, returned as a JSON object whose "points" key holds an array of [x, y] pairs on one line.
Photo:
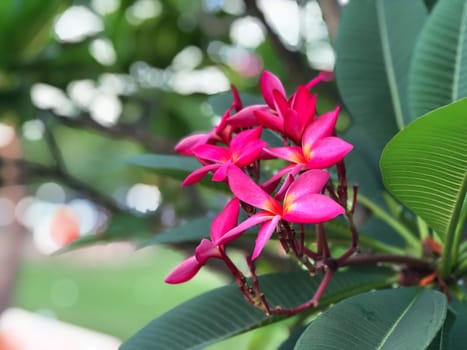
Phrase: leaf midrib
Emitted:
{"points": [[389, 66], [394, 326], [457, 66]]}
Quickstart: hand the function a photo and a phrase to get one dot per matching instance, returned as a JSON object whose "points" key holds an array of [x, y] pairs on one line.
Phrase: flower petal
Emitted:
{"points": [[327, 152], [281, 105], [322, 76], [312, 209], [206, 250], [247, 146], [253, 220], [268, 82], [269, 120], [226, 220], [312, 181], [270, 185], [249, 192], [212, 153], [198, 174], [322, 127], [247, 136], [221, 172], [186, 145], [185, 271], [250, 153], [264, 234], [304, 106], [246, 118], [293, 154]]}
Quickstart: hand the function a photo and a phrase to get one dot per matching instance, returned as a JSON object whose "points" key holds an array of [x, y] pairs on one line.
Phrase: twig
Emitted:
{"points": [[331, 12], [52, 143], [120, 130], [30, 169], [293, 60]]}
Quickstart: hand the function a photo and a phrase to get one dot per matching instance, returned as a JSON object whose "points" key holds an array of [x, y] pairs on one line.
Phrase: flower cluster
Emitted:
{"points": [[234, 151]]}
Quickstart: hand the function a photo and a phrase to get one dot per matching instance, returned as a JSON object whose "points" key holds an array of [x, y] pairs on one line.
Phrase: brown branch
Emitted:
{"points": [[331, 12], [30, 169], [120, 130], [298, 68]]}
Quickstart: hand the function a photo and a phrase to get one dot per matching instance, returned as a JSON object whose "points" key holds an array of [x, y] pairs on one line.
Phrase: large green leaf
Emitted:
{"points": [[440, 342], [438, 73], [374, 44], [425, 166], [191, 231], [223, 313], [457, 336], [403, 318]]}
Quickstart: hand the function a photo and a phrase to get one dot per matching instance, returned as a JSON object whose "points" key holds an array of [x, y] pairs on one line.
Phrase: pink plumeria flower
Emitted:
{"points": [[207, 249], [291, 116], [318, 149], [303, 204], [245, 148]]}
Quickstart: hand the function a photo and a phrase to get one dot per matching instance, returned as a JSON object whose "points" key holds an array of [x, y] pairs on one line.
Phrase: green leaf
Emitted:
{"points": [[403, 318], [374, 44], [191, 231], [223, 313], [457, 336], [177, 167], [173, 166], [441, 340], [290, 342], [438, 73], [425, 167]]}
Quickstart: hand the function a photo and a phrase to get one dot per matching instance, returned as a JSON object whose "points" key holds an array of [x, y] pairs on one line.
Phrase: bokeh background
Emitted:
{"points": [[87, 85]]}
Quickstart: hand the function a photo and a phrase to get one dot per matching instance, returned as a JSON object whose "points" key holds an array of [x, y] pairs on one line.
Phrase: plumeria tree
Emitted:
{"points": [[337, 198], [373, 219]]}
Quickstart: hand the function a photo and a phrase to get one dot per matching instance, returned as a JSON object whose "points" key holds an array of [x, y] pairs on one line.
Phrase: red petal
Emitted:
{"points": [[269, 120], [221, 173], [246, 117], [293, 154], [241, 139], [327, 152], [264, 234], [271, 184], [312, 181], [281, 105], [312, 209], [322, 127], [237, 101], [212, 153], [253, 220], [226, 220], [250, 153], [185, 271], [206, 250], [198, 174], [292, 126], [186, 145], [268, 83], [249, 192]]}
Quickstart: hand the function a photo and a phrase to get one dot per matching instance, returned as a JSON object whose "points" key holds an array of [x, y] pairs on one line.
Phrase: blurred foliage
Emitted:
{"points": [[140, 75]]}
